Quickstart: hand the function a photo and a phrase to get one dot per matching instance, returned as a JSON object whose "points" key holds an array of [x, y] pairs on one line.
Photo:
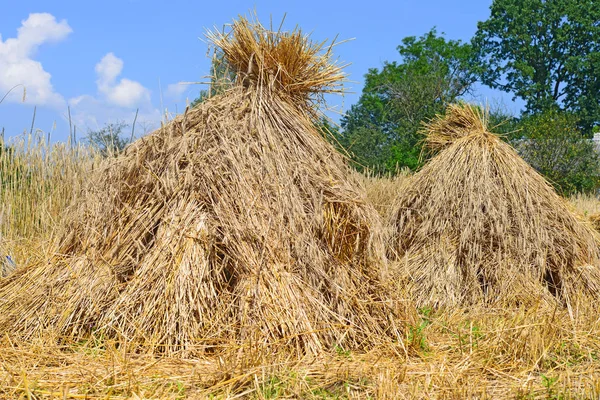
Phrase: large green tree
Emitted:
{"points": [[546, 52], [381, 131]]}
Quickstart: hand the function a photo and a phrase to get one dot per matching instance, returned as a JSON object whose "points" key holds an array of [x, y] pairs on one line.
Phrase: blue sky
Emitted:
{"points": [[107, 58]]}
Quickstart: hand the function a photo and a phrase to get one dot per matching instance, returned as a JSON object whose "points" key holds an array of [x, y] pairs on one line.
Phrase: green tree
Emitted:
{"points": [[221, 79], [503, 123], [109, 140], [546, 52], [554, 145], [381, 131]]}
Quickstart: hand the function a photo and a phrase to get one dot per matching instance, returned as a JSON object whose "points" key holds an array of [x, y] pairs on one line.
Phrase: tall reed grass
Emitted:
{"points": [[38, 180]]}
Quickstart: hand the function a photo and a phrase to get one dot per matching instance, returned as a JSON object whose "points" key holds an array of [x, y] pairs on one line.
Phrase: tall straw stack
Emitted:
{"points": [[478, 225], [234, 225]]}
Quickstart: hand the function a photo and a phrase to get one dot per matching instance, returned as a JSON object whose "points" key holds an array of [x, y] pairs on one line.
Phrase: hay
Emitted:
{"points": [[7, 266], [594, 220], [478, 225], [234, 225]]}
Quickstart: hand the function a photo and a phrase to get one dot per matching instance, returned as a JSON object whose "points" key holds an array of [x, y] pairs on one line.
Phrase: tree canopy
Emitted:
{"points": [[381, 131], [553, 144], [546, 52], [109, 140]]}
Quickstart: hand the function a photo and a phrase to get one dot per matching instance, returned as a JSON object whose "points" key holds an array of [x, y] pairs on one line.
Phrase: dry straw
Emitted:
{"points": [[478, 225], [594, 219], [234, 225]]}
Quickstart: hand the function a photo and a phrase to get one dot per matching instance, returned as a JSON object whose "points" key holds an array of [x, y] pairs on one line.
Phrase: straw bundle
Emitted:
{"points": [[478, 225], [594, 220], [235, 224]]}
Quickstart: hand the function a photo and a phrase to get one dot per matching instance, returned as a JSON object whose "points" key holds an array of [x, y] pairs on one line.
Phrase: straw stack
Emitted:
{"points": [[478, 225], [236, 224]]}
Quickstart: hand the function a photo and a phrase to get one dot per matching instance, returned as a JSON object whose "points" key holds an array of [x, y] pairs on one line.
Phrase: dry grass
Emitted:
{"points": [[475, 354], [383, 190], [522, 353], [585, 204], [589, 207], [285, 62]]}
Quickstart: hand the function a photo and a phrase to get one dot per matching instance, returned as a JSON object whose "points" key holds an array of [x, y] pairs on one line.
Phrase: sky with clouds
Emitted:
{"points": [[105, 60]]}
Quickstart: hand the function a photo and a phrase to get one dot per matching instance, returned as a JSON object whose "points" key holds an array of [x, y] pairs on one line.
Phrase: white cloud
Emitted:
{"points": [[17, 66], [117, 100], [108, 69], [125, 92], [89, 112]]}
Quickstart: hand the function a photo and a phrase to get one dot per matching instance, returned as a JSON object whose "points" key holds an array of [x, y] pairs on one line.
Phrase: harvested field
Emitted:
{"points": [[475, 353], [478, 353], [88, 315]]}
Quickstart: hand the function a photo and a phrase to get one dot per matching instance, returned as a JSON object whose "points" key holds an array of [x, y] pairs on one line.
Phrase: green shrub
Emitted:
{"points": [[554, 145]]}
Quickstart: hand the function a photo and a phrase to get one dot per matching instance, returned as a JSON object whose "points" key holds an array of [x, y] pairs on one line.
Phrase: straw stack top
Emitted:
{"points": [[286, 62], [459, 121]]}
